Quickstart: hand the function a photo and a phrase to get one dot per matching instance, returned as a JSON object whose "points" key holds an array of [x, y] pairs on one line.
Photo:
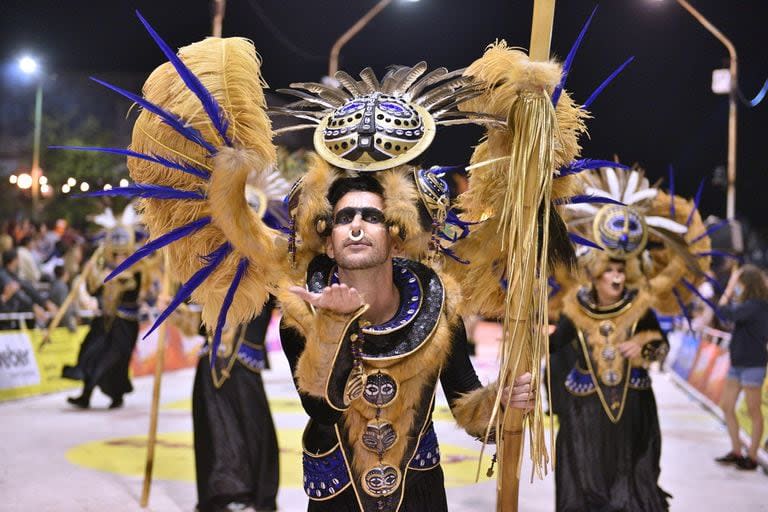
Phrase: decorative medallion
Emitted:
{"points": [[354, 387], [381, 480], [610, 377], [379, 436], [609, 353], [607, 328], [380, 389]]}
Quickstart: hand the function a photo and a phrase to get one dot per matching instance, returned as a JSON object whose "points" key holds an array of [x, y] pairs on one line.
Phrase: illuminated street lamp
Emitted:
{"points": [[29, 66], [124, 182], [71, 182], [13, 179], [84, 186], [65, 188], [24, 181]]}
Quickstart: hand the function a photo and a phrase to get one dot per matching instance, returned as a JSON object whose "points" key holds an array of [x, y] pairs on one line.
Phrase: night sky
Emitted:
{"points": [[660, 111]]}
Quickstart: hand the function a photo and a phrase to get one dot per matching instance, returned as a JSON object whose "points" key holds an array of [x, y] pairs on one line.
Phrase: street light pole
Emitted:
{"points": [[333, 62], [218, 17], [731, 191], [36, 171]]}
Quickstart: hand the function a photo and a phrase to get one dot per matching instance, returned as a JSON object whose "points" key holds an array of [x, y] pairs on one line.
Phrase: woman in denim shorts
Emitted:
{"points": [[745, 303]]}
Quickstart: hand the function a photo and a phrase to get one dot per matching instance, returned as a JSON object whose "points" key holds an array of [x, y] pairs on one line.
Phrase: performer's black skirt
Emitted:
{"points": [[236, 454], [105, 356], [606, 467], [424, 492]]}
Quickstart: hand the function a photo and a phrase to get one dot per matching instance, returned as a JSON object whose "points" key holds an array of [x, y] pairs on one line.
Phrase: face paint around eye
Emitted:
{"points": [[368, 214]]}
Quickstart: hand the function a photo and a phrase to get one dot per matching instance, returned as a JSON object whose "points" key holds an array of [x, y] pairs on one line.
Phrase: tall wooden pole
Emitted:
{"points": [[218, 17], [159, 364], [511, 442]]}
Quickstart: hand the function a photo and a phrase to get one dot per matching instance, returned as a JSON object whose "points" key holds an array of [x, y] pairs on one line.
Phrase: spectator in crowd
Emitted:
{"points": [[19, 295], [6, 242], [46, 243], [745, 303], [59, 292], [29, 270]]}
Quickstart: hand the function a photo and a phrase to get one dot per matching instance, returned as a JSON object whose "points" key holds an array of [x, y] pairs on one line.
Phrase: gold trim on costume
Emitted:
{"points": [[606, 407]]}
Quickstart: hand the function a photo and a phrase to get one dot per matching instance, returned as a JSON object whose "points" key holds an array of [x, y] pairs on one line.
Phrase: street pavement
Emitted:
{"points": [[58, 459]]}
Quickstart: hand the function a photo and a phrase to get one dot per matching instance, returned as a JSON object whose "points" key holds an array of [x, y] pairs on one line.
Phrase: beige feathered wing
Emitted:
{"points": [[220, 250]]}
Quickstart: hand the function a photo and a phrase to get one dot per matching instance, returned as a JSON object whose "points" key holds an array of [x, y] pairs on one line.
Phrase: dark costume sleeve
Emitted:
{"points": [[470, 402], [458, 376], [317, 408], [649, 334], [564, 333], [738, 312]]}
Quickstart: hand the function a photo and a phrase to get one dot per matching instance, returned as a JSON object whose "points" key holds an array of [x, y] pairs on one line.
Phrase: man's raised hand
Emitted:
{"points": [[337, 298]]}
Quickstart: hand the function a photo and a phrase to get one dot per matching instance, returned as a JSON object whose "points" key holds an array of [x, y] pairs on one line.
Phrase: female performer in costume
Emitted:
{"points": [[105, 354], [609, 442]]}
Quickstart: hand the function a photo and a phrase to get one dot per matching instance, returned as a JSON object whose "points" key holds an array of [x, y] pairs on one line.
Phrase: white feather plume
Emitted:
{"points": [[648, 193], [632, 182], [668, 224], [613, 183]]}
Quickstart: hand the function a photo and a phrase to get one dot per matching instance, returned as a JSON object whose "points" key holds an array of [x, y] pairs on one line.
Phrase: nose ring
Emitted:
{"points": [[356, 235]]}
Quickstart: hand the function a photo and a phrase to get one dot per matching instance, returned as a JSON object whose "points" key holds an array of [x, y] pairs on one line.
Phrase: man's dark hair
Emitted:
{"points": [[25, 241], [362, 183], [9, 256], [58, 271]]}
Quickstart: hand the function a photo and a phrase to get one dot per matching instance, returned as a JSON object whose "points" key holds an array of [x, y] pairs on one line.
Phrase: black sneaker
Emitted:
{"points": [[80, 402], [747, 464], [729, 458], [116, 403]]}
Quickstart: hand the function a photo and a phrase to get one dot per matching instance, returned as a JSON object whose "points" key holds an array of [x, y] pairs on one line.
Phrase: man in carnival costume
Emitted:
{"points": [[374, 270], [649, 252]]}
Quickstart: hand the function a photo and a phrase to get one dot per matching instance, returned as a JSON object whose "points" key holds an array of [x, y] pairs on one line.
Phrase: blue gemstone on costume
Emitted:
{"points": [[391, 107]]}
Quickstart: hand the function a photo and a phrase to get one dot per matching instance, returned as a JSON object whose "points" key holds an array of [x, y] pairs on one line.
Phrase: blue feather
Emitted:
{"points": [[147, 191], [683, 307], [696, 201], [578, 166], [451, 254], [583, 241], [150, 247], [552, 282], [242, 266], [569, 59], [585, 198], [169, 118], [151, 158], [605, 83], [706, 301], [671, 192], [210, 105], [718, 287], [711, 229], [463, 225], [213, 260]]}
